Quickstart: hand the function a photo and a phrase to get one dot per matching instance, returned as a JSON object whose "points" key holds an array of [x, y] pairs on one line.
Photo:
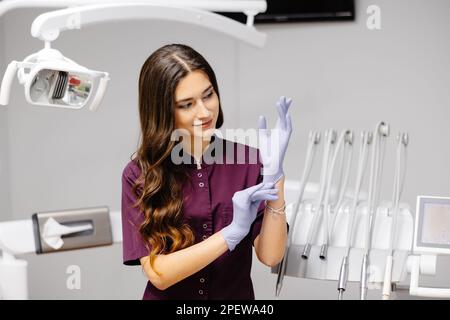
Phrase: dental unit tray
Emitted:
{"points": [[316, 268]]}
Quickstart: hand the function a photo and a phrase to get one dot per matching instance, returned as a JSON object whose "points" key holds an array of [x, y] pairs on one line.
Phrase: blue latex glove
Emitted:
{"points": [[245, 207], [272, 148]]}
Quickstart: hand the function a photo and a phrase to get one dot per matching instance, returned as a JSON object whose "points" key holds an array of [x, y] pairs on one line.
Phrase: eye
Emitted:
{"points": [[208, 95], [185, 106]]}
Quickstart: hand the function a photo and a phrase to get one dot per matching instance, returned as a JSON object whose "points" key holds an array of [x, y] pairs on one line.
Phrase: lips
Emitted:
{"points": [[207, 124], [204, 124]]}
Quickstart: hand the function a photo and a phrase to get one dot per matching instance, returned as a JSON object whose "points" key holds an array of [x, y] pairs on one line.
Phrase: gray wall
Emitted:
{"points": [[339, 75], [4, 146]]}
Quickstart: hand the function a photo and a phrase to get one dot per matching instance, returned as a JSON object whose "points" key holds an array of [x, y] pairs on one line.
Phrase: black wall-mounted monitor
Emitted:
{"points": [[301, 10]]}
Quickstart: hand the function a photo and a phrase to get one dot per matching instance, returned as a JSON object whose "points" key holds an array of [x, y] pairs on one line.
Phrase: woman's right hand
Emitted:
{"points": [[273, 145], [245, 206]]}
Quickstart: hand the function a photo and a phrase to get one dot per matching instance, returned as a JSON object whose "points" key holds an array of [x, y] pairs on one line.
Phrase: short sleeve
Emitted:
{"points": [[133, 246]]}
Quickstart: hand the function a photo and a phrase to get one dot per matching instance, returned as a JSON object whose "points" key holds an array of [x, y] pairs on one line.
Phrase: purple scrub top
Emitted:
{"points": [[207, 208]]}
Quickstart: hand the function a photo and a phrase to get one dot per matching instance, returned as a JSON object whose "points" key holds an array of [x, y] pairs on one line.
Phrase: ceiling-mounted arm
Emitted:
{"points": [[47, 26], [251, 7]]}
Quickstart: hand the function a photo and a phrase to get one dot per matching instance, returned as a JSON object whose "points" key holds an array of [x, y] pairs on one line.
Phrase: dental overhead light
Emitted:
{"points": [[52, 80]]}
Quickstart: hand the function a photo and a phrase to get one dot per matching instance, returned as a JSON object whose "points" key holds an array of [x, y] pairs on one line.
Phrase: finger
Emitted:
{"points": [[281, 114], [262, 123], [281, 107], [265, 191], [262, 126], [264, 194], [267, 197], [287, 103], [268, 185], [289, 122], [254, 188], [283, 104]]}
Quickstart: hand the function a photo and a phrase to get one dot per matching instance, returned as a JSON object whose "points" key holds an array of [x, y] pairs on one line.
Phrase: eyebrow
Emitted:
{"points": [[182, 100]]}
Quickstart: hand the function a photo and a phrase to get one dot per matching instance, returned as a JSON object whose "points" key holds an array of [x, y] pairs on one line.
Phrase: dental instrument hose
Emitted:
{"points": [[345, 139], [400, 173], [330, 137], [366, 140], [381, 131], [314, 140]]}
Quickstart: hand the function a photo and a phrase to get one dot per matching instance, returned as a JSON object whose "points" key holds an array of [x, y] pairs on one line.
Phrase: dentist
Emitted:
{"points": [[191, 224]]}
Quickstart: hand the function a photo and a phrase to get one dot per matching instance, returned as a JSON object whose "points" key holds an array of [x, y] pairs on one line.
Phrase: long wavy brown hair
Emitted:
{"points": [[159, 187]]}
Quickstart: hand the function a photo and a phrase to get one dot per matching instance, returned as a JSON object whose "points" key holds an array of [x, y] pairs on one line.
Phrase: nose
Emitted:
{"points": [[203, 111]]}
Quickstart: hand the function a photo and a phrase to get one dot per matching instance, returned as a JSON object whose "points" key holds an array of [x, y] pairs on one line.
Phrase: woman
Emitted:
{"points": [[191, 224]]}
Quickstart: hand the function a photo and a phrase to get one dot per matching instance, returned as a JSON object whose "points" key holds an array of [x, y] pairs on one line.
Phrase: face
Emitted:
{"points": [[196, 105]]}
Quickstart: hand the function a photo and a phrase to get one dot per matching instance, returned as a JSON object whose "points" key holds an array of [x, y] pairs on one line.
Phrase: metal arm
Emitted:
{"points": [[248, 7], [48, 26]]}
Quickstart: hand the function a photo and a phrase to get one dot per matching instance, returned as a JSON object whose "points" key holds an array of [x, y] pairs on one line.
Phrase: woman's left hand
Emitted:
{"points": [[273, 146]]}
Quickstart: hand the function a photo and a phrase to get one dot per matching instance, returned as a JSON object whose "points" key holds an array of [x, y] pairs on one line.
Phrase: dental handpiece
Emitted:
{"points": [[343, 277], [281, 273], [366, 140], [364, 277]]}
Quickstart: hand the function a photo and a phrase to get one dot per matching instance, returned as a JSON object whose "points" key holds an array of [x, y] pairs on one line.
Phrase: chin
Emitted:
{"points": [[209, 132], [205, 134]]}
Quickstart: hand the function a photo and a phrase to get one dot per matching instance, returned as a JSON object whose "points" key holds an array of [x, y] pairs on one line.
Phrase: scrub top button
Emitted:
{"points": [[201, 184], [202, 280], [204, 237], [205, 226], [199, 175], [200, 291]]}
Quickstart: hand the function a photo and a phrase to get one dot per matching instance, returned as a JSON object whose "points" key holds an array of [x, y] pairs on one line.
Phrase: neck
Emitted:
{"points": [[196, 147]]}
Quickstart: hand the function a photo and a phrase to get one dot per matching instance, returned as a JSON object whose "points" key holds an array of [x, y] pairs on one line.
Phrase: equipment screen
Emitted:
{"points": [[433, 223]]}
